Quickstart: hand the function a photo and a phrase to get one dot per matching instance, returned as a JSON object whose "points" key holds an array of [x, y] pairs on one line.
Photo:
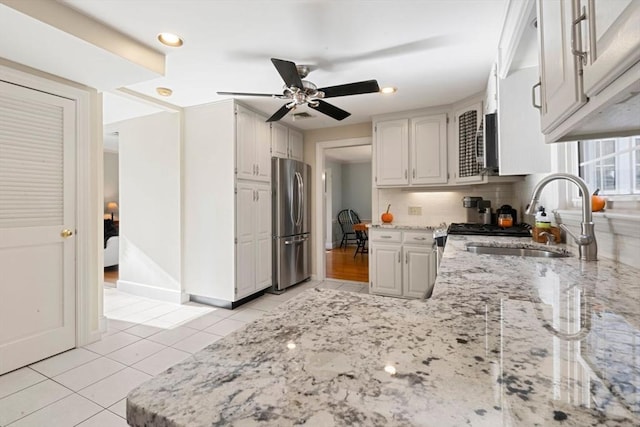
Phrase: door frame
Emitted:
{"points": [[320, 210], [90, 321]]}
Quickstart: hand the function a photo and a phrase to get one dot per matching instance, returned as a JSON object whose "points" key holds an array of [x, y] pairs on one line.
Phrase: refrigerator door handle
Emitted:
{"points": [[300, 198], [300, 240]]}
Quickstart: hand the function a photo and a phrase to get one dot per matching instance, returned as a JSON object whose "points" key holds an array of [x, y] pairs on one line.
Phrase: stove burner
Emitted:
{"points": [[518, 230]]}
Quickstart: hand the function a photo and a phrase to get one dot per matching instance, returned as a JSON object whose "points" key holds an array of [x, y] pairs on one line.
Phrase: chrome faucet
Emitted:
{"points": [[586, 241]]}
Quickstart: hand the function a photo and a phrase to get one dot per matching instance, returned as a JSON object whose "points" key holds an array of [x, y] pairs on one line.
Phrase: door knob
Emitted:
{"points": [[66, 233]]}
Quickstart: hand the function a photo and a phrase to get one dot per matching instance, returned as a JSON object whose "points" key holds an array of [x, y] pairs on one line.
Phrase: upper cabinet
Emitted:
{"points": [[286, 143], [560, 80], [253, 158], [521, 147], [589, 68], [411, 151]]}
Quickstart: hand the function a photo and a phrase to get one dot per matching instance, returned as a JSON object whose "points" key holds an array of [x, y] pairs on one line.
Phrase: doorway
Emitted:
{"points": [[345, 178]]}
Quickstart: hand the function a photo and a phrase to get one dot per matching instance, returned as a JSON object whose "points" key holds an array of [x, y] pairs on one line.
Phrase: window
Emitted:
{"points": [[612, 165]]}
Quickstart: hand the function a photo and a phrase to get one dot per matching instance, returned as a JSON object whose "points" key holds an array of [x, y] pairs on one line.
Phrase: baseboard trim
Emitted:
{"points": [[152, 292]]}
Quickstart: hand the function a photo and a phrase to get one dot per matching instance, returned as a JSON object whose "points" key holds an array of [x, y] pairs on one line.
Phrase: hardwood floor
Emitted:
{"points": [[111, 274], [340, 264]]}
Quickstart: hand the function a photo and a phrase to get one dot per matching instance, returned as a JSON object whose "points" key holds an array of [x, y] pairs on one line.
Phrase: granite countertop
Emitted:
{"points": [[404, 227], [504, 341]]}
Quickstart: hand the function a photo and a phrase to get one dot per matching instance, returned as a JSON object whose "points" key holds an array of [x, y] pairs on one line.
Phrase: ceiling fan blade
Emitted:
{"points": [[330, 110], [368, 86], [279, 114], [270, 95], [288, 71]]}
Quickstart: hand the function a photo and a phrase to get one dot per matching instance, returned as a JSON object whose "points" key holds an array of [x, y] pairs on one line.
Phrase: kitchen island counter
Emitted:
{"points": [[505, 341]]}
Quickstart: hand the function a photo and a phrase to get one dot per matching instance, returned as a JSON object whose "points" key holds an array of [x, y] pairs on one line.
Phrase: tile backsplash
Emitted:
{"points": [[439, 206]]}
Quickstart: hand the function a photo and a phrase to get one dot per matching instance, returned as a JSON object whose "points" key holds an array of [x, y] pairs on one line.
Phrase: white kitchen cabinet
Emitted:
{"points": [[391, 145], [610, 40], [411, 151], [286, 143], [589, 54], [560, 80], [402, 263], [227, 240], [521, 147], [467, 130], [253, 231], [253, 158]]}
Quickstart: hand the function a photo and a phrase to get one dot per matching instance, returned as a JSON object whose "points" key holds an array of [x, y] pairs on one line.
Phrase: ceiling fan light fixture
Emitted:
{"points": [[388, 90], [164, 91], [170, 39]]}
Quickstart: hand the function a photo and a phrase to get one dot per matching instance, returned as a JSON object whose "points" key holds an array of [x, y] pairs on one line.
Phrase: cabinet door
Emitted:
{"points": [[386, 270], [279, 140], [467, 131], [296, 145], [520, 141], [245, 143], [428, 150], [262, 218], [612, 40], [418, 270], [391, 146], [561, 83], [245, 235], [262, 149]]}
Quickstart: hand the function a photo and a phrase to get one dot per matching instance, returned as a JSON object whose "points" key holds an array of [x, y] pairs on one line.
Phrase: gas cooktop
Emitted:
{"points": [[518, 230]]}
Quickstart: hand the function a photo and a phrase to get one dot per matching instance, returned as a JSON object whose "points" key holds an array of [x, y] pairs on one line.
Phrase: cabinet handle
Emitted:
{"points": [[254, 195], [414, 173], [254, 169], [405, 174], [406, 258], [399, 257], [533, 95], [257, 169], [385, 237], [574, 50], [419, 238], [257, 195]]}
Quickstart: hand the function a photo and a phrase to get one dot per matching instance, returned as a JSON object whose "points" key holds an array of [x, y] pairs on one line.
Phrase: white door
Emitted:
{"points": [[245, 144], [245, 236], [263, 149], [418, 270], [37, 226], [386, 270], [296, 145], [279, 140], [429, 149], [263, 238], [561, 88], [392, 156]]}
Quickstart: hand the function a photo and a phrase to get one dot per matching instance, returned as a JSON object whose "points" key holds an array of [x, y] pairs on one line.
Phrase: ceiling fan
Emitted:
{"points": [[300, 92]]}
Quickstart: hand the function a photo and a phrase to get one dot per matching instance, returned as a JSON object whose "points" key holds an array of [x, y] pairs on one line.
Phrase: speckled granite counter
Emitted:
{"points": [[505, 341]]}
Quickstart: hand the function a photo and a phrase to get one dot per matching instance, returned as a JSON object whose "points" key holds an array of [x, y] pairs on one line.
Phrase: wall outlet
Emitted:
{"points": [[415, 210]]}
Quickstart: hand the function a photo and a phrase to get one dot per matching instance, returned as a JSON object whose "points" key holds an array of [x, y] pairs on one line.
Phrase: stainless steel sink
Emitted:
{"points": [[515, 251]]}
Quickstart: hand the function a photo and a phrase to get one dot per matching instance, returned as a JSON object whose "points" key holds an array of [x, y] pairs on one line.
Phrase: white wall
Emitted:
{"points": [[111, 180], [150, 218], [335, 169], [356, 188]]}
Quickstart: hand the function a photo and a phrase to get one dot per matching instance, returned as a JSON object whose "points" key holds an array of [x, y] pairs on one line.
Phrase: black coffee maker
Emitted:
{"points": [[507, 209]]}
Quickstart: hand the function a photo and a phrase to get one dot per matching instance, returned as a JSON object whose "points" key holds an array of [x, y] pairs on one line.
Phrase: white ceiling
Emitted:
{"points": [[434, 51], [354, 154]]}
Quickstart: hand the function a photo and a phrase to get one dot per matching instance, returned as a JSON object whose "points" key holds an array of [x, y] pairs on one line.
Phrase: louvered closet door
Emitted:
{"points": [[37, 205]]}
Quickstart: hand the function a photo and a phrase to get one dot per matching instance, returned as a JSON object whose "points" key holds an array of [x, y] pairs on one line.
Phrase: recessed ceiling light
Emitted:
{"points": [[170, 39], [388, 89], [164, 91]]}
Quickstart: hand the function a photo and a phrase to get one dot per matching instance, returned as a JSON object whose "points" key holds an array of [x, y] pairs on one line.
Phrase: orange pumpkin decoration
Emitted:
{"points": [[597, 202], [387, 217]]}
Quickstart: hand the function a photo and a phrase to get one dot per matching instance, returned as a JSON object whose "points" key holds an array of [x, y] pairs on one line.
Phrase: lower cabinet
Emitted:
{"points": [[253, 234], [402, 263]]}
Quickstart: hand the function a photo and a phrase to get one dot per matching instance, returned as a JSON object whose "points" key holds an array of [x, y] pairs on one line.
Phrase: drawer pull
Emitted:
{"points": [[385, 237], [419, 238]]}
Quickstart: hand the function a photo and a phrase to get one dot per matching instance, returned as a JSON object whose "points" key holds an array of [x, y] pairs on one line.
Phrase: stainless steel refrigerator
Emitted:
{"points": [[291, 192]]}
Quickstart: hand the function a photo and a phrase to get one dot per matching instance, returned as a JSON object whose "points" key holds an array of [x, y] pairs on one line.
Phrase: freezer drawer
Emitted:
{"points": [[291, 261]]}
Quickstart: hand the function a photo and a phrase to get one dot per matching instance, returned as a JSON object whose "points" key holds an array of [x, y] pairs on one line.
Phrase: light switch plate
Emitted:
{"points": [[415, 210]]}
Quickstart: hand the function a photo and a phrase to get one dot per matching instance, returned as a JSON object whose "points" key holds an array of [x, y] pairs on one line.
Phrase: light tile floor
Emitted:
{"points": [[88, 386]]}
